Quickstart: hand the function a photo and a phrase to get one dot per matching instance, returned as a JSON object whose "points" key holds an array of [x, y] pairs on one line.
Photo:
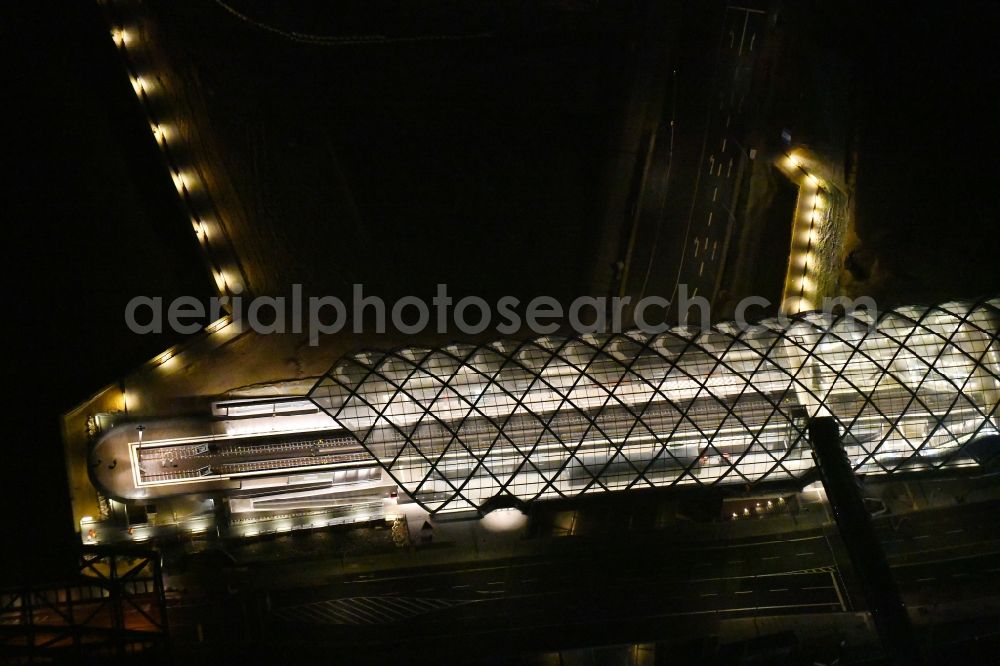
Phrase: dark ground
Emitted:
{"points": [[927, 164], [474, 162], [94, 223], [93, 219]]}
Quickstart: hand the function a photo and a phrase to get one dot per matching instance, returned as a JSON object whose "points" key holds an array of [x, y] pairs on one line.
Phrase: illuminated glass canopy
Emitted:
{"points": [[557, 416]]}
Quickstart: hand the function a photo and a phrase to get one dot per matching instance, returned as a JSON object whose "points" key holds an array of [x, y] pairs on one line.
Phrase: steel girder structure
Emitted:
{"points": [[558, 417], [114, 608]]}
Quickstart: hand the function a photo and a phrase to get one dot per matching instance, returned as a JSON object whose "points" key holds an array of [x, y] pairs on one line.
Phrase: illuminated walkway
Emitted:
{"points": [[801, 290], [180, 149]]}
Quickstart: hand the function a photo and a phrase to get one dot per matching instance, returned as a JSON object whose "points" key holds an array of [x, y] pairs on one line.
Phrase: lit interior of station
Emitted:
{"points": [[466, 427]]}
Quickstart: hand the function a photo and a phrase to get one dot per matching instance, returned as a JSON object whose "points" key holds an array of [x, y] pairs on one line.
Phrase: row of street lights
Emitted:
{"points": [[227, 274], [801, 282]]}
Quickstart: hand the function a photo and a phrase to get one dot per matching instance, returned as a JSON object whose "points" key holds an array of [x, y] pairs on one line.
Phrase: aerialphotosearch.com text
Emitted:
{"points": [[471, 315]]}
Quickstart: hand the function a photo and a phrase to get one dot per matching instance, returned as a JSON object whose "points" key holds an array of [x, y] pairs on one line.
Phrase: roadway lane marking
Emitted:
{"points": [[836, 588], [747, 608], [715, 193], [745, 592], [947, 559], [804, 554], [710, 213], [922, 536], [709, 594], [779, 589], [743, 34], [353, 614], [456, 570], [772, 557], [925, 580], [704, 549], [818, 587], [701, 269], [779, 574]]}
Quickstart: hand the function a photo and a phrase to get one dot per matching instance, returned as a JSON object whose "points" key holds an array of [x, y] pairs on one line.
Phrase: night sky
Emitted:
{"points": [[95, 220]]}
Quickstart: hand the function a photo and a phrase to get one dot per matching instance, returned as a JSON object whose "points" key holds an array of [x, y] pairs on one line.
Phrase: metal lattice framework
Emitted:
{"points": [[113, 608], [557, 416]]}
